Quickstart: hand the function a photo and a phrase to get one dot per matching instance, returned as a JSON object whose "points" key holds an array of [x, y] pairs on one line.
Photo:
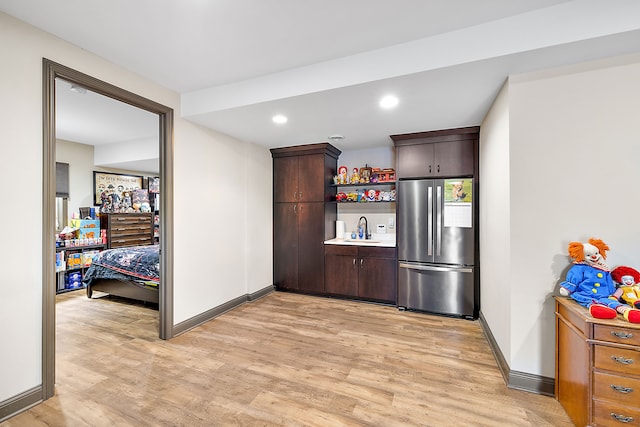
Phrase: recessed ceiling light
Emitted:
{"points": [[336, 137], [279, 119], [388, 101]]}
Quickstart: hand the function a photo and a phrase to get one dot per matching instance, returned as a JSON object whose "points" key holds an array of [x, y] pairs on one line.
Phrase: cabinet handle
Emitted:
{"points": [[300, 195], [429, 168], [438, 168], [621, 418], [621, 389], [354, 261], [295, 195], [622, 360], [361, 261], [295, 209], [623, 335]]}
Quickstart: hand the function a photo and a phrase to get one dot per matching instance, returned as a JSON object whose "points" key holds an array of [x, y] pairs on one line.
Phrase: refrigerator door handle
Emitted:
{"points": [[438, 219], [430, 221], [435, 268]]}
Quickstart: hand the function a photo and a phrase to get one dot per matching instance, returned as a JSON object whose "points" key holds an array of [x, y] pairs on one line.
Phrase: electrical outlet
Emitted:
{"points": [[392, 222]]}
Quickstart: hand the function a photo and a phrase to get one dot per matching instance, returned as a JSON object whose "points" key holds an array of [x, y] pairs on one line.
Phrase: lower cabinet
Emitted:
{"points": [[298, 248], [364, 272], [597, 369]]}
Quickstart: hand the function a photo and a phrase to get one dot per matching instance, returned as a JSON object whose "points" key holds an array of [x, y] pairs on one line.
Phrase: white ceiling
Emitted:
{"points": [[326, 63]]}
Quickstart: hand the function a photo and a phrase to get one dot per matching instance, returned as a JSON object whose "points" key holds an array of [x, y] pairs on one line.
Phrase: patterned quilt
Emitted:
{"points": [[140, 264]]}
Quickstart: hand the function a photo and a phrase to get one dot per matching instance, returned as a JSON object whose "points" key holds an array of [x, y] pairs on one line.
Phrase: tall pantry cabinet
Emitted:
{"points": [[303, 214]]}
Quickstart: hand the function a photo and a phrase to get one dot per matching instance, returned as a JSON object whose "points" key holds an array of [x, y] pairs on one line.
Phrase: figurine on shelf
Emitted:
{"points": [[126, 200], [371, 195], [355, 178], [342, 175], [365, 174]]}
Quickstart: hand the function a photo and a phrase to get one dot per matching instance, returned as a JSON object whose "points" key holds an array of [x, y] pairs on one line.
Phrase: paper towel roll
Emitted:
{"points": [[340, 229]]}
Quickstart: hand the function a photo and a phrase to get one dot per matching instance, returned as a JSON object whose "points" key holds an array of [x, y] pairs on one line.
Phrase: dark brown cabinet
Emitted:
{"points": [[303, 217], [365, 272], [297, 179], [127, 229], [341, 270], [447, 153]]}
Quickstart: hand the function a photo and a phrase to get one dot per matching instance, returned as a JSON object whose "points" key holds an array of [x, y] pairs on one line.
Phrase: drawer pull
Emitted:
{"points": [[623, 335], [622, 389], [622, 360], [621, 418]]}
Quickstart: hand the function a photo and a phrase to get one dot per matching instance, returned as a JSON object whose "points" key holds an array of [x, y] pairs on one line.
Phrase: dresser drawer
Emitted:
{"points": [[129, 230], [616, 359], [130, 241], [617, 388], [607, 414], [617, 334]]}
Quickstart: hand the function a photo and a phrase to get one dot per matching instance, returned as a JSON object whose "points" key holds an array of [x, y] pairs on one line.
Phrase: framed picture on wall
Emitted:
{"points": [[154, 184], [113, 184]]}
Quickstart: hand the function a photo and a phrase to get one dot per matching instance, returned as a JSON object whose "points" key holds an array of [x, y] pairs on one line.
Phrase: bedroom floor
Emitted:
{"points": [[283, 360]]}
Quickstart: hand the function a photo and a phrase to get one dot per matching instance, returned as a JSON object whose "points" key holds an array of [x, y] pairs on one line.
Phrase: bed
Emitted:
{"points": [[129, 272]]}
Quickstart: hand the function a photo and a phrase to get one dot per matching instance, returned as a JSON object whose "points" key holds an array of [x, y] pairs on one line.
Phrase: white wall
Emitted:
{"points": [[573, 160], [375, 213], [495, 293], [80, 160], [210, 207]]}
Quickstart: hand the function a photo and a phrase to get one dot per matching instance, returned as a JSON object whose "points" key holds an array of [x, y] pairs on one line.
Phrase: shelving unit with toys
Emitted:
{"points": [[71, 263], [371, 185]]}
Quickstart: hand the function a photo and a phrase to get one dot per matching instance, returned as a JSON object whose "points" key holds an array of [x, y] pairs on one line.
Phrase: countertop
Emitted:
{"points": [[387, 240]]}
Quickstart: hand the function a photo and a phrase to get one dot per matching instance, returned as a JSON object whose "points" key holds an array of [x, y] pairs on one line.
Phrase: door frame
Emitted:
{"points": [[51, 71]]}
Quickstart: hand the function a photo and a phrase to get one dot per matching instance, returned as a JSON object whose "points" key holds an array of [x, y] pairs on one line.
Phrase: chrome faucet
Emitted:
{"points": [[366, 227]]}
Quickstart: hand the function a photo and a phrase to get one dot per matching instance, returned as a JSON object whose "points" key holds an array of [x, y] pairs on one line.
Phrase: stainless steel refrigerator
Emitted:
{"points": [[436, 246]]}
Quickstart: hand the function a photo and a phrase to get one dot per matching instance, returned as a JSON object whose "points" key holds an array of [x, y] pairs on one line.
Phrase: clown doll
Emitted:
{"points": [[590, 284], [628, 290]]}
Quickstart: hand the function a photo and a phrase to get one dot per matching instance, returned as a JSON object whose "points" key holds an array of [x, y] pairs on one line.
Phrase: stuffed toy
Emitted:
{"points": [[590, 284], [628, 280]]}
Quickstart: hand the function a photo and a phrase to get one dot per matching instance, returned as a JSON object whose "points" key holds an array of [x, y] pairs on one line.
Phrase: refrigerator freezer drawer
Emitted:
{"points": [[436, 289]]}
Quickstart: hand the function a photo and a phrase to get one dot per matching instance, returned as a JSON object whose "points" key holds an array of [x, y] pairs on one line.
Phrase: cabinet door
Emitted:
{"points": [[415, 161], [311, 178], [377, 276], [285, 179], [310, 246], [453, 158], [341, 270], [285, 245], [572, 372]]}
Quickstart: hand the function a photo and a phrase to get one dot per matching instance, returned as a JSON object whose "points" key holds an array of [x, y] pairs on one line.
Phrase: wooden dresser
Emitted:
{"points": [[127, 229], [597, 367]]}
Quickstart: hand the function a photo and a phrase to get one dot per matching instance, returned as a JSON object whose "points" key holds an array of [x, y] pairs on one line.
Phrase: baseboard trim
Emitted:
{"points": [[20, 403], [259, 294], [515, 379], [189, 324], [531, 383]]}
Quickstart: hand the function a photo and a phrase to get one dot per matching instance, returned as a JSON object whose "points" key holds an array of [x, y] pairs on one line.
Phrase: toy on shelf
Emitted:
{"points": [[628, 280], [590, 284], [355, 178], [342, 175]]}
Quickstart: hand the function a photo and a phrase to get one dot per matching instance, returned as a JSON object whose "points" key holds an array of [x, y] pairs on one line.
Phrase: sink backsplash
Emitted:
{"points": [[373, 219]]}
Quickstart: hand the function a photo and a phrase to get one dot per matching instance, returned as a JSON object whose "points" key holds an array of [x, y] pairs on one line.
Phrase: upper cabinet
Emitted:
{"points": [[445, 153], [303, 175]]}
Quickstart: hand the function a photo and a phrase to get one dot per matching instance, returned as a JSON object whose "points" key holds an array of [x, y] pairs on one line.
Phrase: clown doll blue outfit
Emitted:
{"points": [[589, 282]]}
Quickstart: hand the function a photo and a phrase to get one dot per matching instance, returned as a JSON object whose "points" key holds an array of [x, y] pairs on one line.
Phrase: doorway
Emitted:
{"points": [[52, 71]]}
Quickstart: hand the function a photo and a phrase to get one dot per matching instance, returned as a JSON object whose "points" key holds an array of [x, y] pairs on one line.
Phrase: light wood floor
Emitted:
{"points": [[283, 360]]}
